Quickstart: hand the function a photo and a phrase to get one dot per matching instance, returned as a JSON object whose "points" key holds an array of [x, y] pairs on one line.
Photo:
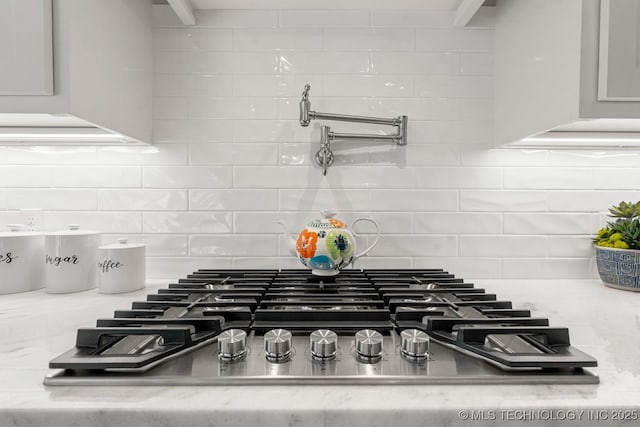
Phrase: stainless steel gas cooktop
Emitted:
{"points": [[289, 327]]}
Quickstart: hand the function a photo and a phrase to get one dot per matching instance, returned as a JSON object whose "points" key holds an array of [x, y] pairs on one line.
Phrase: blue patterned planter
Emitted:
{"points": [[619, 268]]}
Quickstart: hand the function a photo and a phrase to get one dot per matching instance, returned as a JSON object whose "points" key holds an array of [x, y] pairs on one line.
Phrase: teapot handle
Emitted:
{"points": [[373, 221]]}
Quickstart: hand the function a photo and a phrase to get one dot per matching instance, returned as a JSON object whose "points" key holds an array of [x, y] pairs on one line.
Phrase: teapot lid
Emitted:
{"points": [[327, 213]]}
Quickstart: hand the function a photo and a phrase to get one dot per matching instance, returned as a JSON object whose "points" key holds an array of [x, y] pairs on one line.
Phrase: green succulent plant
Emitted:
{"points": [[624, 232]]}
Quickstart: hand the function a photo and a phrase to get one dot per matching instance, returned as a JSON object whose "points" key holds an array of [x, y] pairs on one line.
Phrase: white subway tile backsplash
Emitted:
{"points": [[142, 200], [187, 177], [103, 222], [302, 177], [275, 85], [549, 178], [503, 200], [158, 245], [416, 246], [266, 222], [368, 85], [268, 131], [412, 18], [186, 222], [231, 62], [277, 39], [190, 38], [570, 246], [547, 268], [233, 200], [70, 176], [550, 223], [182, 131], [358, 106], [326, 62], [236, 245], [296, 154], [233, 108], [458, 223], [446, 63], [235, 153], [435, 86], [334, 199], [502, 246], [414, 200], [324, 18], [274, 177], [157, 154], [229, 157], [192, 84], [400, 39], [206, 84], [50, 198], [228, 18], [417, 108], [390, 223], [460, 39], [450, 177], [589, 200]]}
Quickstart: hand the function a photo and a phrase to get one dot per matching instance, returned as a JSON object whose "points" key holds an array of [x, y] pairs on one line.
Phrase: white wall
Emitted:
{"points": [[230, 158]]}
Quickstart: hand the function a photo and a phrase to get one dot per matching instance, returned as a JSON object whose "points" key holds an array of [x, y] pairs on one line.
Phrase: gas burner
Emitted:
{"points": [[372, 326]]}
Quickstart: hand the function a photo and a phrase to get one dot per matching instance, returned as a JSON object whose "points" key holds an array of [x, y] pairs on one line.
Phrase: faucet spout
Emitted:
{"points": [[324, 156], [305, 107]]}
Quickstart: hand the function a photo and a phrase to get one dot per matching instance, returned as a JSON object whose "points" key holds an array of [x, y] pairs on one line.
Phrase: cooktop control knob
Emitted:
{"points": [[415, 344], [232, 345], [324, 344], [277, 345], [369, 344]]}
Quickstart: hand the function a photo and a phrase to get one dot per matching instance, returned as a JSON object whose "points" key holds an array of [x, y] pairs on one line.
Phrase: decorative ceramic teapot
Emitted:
{"points": [[326, 245]]}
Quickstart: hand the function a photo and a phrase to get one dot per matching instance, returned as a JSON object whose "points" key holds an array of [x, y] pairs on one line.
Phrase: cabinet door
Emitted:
{"points": [[619, 63], [26, 57]]}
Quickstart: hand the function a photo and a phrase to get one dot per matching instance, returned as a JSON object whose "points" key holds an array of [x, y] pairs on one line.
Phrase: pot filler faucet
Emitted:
{"points": [[324, 156]]}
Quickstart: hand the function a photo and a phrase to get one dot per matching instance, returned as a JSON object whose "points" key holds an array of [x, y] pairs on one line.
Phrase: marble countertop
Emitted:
{"points": [[35, 327]]}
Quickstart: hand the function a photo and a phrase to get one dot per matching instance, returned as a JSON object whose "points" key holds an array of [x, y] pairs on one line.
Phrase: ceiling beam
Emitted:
{"points": [[184, 10], [465, 12]]}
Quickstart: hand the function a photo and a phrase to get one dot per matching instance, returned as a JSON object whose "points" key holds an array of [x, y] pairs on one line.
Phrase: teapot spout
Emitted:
{"points": [[291, 241]]}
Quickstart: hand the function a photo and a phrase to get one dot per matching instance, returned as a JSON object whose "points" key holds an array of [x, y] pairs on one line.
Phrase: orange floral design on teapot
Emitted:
{"points": [[306, 243], [337, 223]]}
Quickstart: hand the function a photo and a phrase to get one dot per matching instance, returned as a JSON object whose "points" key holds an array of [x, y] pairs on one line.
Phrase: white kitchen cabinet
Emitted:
{"points": [[26, 47], [547, 72], [619, 65], [102, 78]]}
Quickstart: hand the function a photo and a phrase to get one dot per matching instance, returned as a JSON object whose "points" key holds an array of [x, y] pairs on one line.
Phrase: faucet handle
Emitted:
{"points": [[305, 93]]}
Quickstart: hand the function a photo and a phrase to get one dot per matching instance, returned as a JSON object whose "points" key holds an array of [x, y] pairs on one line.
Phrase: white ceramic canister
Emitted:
{"points": [[71, 260], [121, 267], [21, 254]]}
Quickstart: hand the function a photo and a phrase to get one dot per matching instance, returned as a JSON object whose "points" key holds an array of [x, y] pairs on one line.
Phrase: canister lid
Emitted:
{"points": [[73, 230], [18, 230], [123, 243]]}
